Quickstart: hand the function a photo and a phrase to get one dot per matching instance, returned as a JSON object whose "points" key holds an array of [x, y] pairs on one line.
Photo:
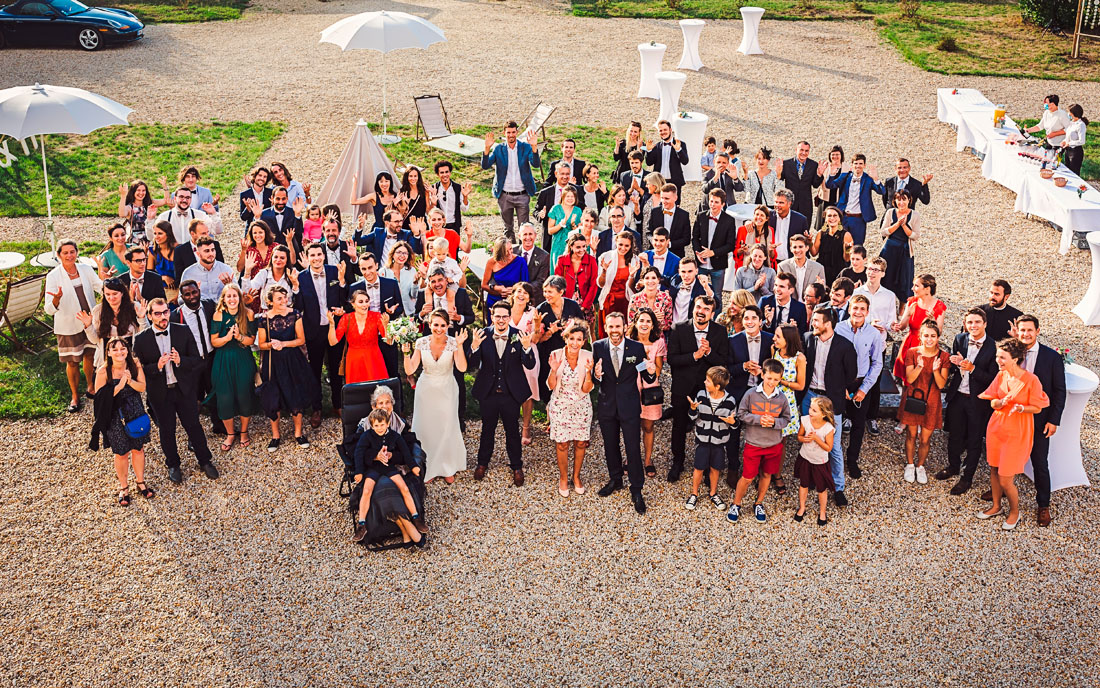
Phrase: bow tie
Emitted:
{"points": [[501, 337], [161, 333], [686, 287], [670, 212], [754, 340], [372, 286], [973, 342], [714, 218]]}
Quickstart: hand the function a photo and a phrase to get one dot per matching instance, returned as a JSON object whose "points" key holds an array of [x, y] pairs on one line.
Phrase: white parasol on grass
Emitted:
{"points": [[383, 31], [41, 109]]}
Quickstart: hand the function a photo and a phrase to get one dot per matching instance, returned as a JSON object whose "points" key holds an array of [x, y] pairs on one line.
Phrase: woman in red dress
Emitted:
{"points": [[363, 328], [617, 268], [752, 233], [922, 305]]}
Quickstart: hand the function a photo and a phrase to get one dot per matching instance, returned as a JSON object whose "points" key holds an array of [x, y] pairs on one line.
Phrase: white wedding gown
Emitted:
{"points": [[435, 412]]}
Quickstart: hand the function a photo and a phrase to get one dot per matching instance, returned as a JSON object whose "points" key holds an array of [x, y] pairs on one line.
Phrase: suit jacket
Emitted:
{"points": [[669, 274], [679, 234], [814, 270], [187, 372], [739, 356], [841, 180], [184, 258], [351, 267], [626, 180], [577, 174], [799, 224], [841, 369], [687, 373], [913, 186], [307, 303], [498, 158], [725, 236], [265, 202], [152, 286], [802, 188], [697, 289], [389, 292], [676, 161], [619, 396], [538, 269], [515, 361], [1051, 371], [463, 305], [985, 369], [375, 241], [544, 202], [797, 312], [290, 222], [723, 182]]}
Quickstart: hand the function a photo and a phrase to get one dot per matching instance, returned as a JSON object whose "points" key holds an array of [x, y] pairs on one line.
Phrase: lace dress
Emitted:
{"points": [[790, 374], [288, 382], [570, 409], [435, 411]]}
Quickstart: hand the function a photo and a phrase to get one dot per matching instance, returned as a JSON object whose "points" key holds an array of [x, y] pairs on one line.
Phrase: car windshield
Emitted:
{"points": [[68, 7]]}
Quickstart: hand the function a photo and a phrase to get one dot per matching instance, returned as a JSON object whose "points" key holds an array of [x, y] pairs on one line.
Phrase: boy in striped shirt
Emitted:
{"points": [[714, 413]]}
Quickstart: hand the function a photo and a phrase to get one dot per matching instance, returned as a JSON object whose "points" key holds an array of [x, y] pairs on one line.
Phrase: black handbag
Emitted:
{"points": [[917, 405], [653, 396]]}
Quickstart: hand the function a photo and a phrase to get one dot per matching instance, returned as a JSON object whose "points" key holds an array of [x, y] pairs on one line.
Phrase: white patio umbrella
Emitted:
{"points": [[383, 31], [43, 109]]}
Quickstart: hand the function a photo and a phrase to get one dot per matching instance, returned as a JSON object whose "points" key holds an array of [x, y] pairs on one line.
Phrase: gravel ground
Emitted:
{"points": [[251, 580]]}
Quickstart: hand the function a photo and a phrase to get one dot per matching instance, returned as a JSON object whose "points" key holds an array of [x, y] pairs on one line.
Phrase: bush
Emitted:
{"points": [[675, 5], [948, 45], [909, 8], [1060, 14]]}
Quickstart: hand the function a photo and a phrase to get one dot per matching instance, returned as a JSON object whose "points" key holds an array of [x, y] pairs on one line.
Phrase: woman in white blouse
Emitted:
{"points": [[403, 265], [616, 272], [70, 297], [1074, 143]]}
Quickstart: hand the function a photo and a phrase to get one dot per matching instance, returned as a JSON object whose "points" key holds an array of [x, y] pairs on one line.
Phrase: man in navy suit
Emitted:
{"points": [[321, 290], [605, 240], [257, 196], [513, 183], [619, 405], [633, 180], [854, 200], [285, 221], [673, 218], [575, 165], [725, 177], [380, 240], [785, 222], [1048, 366], [713, 237], [668, 156], [693, 346], [748, 349], [150, 285], [973, 367], [385, 296], [781, 307], [685, 287], [661, 258], [501, 353], [549, 196]]}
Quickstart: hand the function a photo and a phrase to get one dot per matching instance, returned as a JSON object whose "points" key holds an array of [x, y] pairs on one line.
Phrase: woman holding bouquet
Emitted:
{"points": [[363, 328]]}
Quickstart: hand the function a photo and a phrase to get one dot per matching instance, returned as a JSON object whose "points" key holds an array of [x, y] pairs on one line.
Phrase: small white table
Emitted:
{"points": [[1064, 457], [750, 39], [11, 259], [691, 28], [1089, 308], [652, 57], [742, 212], [690, 130], [670, 85]]}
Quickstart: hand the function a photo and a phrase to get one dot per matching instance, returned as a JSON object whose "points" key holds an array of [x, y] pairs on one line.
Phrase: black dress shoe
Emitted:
{"points": [[840, 499], [674, 473], [210, 471], [610, 488], [960, 487], [854, 472], [175, 475], [666, 414], [639, 503], [947, 473]]}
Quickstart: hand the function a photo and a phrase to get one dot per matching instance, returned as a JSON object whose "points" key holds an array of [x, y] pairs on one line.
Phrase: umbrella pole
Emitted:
{"points": [[385, 138], [49, 206]]}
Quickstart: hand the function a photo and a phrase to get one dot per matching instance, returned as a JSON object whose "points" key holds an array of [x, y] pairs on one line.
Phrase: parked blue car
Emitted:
{"points": [[66, 22]]}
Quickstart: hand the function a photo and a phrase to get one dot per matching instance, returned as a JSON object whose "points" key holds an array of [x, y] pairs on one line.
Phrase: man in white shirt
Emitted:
{"points": [[806, 270], [883, 314], [181, 214], [1053, 122], [661, 258], [538, 260], [686, 288], [449, 198], [513, 184], [209, 273]]}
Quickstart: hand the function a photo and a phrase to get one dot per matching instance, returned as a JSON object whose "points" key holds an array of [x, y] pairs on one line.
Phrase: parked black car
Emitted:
{"points": [[66, 22]]}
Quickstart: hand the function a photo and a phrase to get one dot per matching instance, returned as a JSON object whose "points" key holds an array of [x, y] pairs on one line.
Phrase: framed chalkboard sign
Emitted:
{"points": [[1088, 23]]}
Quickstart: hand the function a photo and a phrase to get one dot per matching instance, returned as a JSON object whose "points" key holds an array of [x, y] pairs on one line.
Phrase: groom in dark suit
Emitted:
{"points": [[501, 352], [619, 407]]}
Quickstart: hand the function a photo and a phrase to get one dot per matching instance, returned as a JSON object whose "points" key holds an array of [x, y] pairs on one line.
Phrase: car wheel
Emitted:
{"points": [[88, 39]]}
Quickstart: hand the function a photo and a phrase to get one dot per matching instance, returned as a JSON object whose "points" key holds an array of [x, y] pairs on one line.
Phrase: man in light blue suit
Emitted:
{"points": [[514, 183], [856, 209]]}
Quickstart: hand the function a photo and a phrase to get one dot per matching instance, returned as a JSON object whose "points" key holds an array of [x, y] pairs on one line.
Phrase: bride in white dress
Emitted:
{"points": [[435, 402]]}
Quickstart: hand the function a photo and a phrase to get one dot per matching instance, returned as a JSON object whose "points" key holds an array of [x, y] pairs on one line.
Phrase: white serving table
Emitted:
{"points": [[691, 130], [652, 54], [670, 84], [691, 28], [1064, 457], [750, 39], [949, 106]]}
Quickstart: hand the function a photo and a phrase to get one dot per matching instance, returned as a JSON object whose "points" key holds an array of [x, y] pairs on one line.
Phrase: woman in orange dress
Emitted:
{"points": [[363, 328], [617, 269], [926, 369], [1016, 396]]}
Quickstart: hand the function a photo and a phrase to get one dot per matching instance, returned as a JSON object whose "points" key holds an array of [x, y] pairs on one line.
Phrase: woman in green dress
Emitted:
{"points": [[563, 219], [114, 258], [233, 375]]}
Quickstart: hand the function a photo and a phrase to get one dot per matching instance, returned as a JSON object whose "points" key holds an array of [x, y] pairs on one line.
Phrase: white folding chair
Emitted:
{"points": [[21, 303], [431, 117]]}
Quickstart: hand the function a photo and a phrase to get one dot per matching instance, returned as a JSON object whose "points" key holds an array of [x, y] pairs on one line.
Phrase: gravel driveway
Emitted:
{"points": [[251, 581]]}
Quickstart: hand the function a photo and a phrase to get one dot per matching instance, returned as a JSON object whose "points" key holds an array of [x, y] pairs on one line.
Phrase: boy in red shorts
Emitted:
{"points": [[763, 413]]}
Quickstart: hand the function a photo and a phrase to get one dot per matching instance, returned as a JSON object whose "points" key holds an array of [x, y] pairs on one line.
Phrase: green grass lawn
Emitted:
{"points": [[594, 144], [185, 11], [1090, 168], [990, 37], [33, 385], [85, 171]]}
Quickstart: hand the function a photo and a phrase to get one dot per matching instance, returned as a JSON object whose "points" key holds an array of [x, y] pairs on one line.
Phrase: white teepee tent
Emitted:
{"points": [[363, 156]]}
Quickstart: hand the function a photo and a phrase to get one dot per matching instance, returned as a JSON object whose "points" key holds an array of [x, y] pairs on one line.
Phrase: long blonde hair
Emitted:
{"points": [[242, 310]]}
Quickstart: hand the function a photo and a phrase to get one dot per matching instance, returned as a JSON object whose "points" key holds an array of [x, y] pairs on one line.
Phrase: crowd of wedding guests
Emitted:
{"points": [[775, 332]]}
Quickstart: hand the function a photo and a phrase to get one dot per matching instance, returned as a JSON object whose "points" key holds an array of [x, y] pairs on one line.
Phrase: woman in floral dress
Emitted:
{"points": [[570, 408]]}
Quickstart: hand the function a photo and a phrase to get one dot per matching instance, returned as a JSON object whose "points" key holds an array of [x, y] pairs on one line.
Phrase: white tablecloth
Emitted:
{"points": [[691, 131], [1064, 457], [949, 106]]}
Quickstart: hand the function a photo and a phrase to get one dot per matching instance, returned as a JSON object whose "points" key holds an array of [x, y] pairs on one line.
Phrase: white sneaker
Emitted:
{"points": [[922, 475], [910, 473]]}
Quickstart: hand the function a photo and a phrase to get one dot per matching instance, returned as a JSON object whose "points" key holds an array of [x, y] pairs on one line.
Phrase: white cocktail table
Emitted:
{"points": [[670, 84], [1089, 308], [691, 28], [690, 130], [652, 54], [750, 39], [1064, 456]]}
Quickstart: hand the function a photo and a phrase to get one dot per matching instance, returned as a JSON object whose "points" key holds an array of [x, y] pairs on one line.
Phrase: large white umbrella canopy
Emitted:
{"points": [[43, 109], [383, 31]]}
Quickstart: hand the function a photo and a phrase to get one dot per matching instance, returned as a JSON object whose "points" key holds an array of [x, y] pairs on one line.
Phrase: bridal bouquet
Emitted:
{"points": [[403, 330]]}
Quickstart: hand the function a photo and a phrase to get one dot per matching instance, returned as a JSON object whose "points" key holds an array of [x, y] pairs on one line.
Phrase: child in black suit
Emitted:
{"points": [[373, 455]]}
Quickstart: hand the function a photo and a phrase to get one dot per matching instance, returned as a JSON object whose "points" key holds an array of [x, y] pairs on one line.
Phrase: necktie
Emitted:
{"points": [[616, 360], [202, 333]]}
